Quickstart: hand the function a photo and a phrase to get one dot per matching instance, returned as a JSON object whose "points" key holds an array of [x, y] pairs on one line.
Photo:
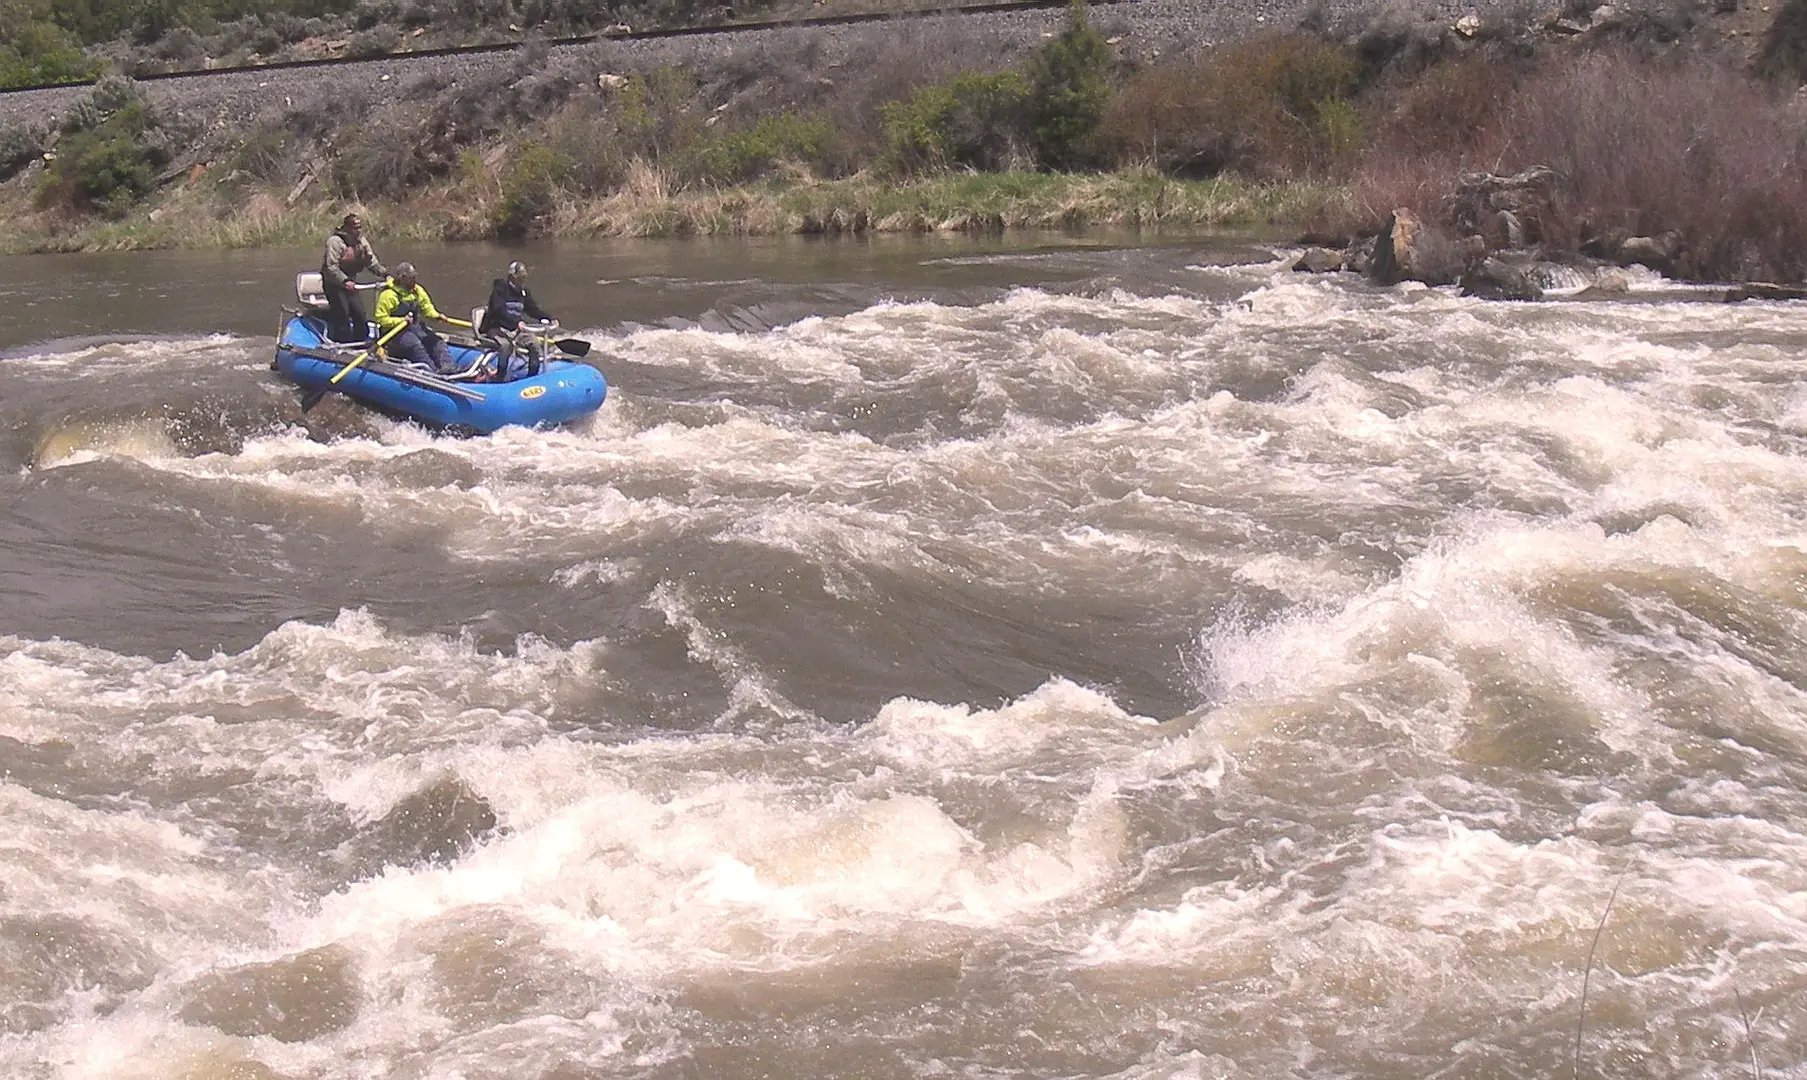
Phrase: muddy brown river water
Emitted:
{"points": [[939, 658]]}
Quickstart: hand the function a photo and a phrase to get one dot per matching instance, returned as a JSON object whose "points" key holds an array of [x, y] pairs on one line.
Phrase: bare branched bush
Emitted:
{"points": [[480, 103], [181, 46], [388, 154], [1407, 35], [565, 16], [1651, 28], [377, 41], [1385, 183], [269, 155], [529, 58], [1681, 147], [373, 13], [1266, 108], [777, 71], [1783, 53], [1686, 146], [320, 116], [1443, 111], [1423, 135], [428, 87]]}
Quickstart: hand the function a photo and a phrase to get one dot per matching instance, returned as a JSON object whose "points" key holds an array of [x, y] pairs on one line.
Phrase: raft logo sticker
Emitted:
{"points": [[532, 392]]}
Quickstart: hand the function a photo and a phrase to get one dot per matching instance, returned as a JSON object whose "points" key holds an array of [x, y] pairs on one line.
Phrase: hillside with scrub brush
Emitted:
{"points": [[1675, 121]]}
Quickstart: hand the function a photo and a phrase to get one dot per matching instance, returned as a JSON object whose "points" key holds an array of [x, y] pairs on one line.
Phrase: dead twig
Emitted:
{"points": [[1749, 1038], [1588, 970]]}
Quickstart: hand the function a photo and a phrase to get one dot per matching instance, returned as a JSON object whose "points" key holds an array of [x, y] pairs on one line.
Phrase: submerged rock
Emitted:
{"points": [[44, 958], [1609, 282], [1317, 260], [1763, 290], [1497, 279], [1656, 252], [215, 1067], [294, 999], [438, 823]]}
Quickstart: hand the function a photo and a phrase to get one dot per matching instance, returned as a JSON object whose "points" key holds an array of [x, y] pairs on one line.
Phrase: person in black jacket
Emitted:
{"points": [[510, 303]]}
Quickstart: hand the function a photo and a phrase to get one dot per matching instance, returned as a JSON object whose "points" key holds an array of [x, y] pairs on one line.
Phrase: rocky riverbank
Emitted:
{"points": [[1141, 31]]}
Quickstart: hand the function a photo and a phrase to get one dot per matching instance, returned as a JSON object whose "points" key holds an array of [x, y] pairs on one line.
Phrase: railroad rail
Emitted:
{"points": [[587, 39]]}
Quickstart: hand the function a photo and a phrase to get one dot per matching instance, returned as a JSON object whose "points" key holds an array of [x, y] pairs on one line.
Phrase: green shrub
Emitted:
{"points": [[84, 115], [584, 136], [109, 168], [109, 96], [35, 52], [377, 41], [373, 13], [913, 130], [656, 119], [154, 18], [735, 157], [19, 146], [1069, 89], [529, 192], [975, 120], [113, 93], [1338, 126]]}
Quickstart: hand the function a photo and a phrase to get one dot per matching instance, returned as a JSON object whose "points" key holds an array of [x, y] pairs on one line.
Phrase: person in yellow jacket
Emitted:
{"points": [[404, 302]]}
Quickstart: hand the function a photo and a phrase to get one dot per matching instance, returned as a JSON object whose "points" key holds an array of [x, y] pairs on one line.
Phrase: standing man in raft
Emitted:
{"points": [[348, 254]]}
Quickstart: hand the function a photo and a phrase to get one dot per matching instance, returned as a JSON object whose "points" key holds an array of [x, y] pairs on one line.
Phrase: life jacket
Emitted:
{"points": [[507, 314], [356, 258], [395, 305], [405, 308]]}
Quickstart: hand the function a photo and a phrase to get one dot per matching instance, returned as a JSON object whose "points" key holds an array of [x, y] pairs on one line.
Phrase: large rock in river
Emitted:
{"points": [[1409, 249]]}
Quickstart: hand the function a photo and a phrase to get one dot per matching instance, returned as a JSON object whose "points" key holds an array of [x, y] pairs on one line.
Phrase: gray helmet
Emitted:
{"points": [[517, 271], [405, 270]]}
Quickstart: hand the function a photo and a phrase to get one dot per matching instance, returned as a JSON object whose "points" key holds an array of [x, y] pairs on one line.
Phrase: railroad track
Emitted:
{"points": [[586, 39]]}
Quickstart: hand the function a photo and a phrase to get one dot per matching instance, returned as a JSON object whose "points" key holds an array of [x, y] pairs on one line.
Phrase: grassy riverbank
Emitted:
{"points": [[650, 206]]}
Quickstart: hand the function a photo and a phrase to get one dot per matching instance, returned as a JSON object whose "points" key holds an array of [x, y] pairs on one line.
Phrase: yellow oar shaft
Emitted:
{"points": [[365, 355]]}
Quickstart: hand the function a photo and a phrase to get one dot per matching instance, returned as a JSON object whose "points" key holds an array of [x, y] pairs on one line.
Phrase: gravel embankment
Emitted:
{"points": [[1146, 28]]}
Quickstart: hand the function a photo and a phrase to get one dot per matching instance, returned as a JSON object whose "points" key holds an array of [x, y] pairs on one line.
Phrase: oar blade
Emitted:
{"points": [[573, 346]]}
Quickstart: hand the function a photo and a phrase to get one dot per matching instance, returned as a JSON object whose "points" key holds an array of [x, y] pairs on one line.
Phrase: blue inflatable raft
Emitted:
{"points": [[562, 391]]}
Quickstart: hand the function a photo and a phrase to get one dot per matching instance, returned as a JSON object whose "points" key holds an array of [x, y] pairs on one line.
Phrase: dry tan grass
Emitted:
{"points": [[650, 205]]}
